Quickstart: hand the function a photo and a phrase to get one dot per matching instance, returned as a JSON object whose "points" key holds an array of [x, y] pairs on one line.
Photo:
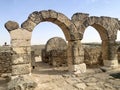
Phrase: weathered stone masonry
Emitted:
{"points": [[5, 61], [73, 30], [55, 52]]}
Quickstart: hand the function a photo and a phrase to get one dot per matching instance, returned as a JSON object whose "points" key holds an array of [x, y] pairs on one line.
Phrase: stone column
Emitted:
{"points": [[76, 57], [21, 58], [109, 54]]}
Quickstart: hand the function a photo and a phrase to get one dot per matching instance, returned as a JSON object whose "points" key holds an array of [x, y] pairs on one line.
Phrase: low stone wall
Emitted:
{"points": [[58, 57], [93, 56], [5, 62], [55, 57]]}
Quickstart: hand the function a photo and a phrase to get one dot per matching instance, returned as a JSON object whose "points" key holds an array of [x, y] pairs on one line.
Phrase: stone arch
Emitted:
{"points": [[70, 31], [58, 43], [99, 24], [55, 52], [95, 22], [57, 18], [104, 37]]}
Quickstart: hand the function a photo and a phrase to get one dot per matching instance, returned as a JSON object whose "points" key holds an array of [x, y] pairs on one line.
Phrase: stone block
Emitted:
{"points": [[63, 19], [80, 68], [18, 42], [11, 25], [111, 63], [21, 69], [45, 14], [22, 50], [53, 14], [78, 59], [28, 25], [22, 83], [20, 34], [21, 58], [36, 17], [80, 86]]}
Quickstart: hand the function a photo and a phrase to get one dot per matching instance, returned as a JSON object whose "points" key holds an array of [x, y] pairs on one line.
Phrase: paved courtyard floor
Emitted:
{"points": [[49, 78]]}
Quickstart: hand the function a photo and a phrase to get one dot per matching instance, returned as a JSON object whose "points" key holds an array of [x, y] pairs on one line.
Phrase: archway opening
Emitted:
{"points": [[92, 47], [44, 31], [91, 35], [40, 36]]}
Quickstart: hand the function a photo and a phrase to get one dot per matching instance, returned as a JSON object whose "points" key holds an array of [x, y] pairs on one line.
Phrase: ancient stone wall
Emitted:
{"points": [[73, 30], [55, 52], [5, 61], [93, 55]]}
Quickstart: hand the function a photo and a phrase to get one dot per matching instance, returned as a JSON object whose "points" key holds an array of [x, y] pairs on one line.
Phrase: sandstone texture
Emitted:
{"points": [[49, 78], [73, 29], [11, 25], [5, 60], [55, 52]]}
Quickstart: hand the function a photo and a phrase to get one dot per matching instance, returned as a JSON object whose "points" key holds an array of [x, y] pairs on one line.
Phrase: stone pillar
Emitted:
{"points": [[109, 54], [21, 61], [21, 58], [76, 57]]}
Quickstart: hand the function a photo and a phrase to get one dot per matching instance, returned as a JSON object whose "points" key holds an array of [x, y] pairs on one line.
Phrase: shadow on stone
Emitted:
{"points": [[115, 75]]}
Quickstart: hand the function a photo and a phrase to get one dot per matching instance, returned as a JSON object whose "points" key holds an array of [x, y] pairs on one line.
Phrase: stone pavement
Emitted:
{"points": [[93, 79], [49, 78]]}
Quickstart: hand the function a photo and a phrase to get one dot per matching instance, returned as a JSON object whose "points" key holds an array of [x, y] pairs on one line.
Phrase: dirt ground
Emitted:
{"points": [[50, 78]]}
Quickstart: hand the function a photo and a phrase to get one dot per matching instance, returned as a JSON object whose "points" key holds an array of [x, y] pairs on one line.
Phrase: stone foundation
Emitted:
{"points": [[111, 64], [78, 69], [22, 83]]}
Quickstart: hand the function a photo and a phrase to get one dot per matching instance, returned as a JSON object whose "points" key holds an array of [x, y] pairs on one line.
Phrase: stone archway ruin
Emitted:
{"points": [[73, 30], [55, 52]]}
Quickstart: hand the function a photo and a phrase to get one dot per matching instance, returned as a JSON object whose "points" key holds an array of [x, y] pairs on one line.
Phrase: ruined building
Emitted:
{"points": [[55, 52], [73, 30]]}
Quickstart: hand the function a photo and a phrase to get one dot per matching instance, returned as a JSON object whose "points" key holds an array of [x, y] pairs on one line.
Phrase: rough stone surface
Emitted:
{"points": [[55, 52], [49, 78], [22, 83], [11, 25], [73, 30], [5, 60], [92, 55], [80, 68], [21, 69]]}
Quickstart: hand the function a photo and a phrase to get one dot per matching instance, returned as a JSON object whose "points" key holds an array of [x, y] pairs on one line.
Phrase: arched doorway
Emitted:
{"points": [[69, 30], [104, 37], [40, 35], [44, 31], [92, 47]]}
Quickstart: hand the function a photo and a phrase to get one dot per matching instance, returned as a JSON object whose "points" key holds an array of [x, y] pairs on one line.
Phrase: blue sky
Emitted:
{"points": [[19, 10]]}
